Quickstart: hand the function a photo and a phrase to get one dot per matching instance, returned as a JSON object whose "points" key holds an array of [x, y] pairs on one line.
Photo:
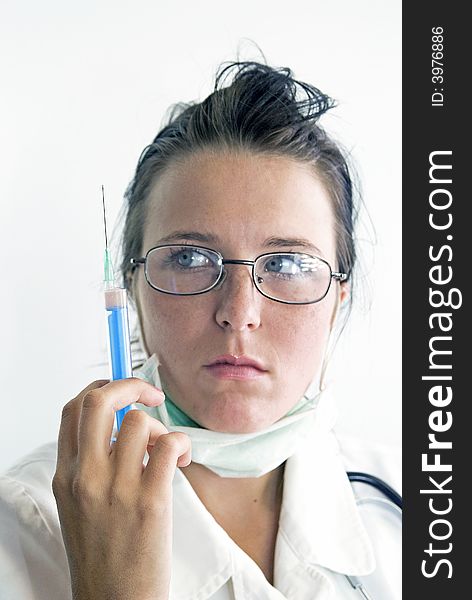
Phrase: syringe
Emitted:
{"points": [[116, 304]]}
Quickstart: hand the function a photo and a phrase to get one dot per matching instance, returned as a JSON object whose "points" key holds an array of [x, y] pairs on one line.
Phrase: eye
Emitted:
{"points": [[284, 264], [188, 258], [191, 258]]}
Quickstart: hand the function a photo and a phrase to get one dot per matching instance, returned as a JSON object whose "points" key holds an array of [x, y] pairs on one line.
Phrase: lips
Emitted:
{"points": [[233, 367], [239, 361]]}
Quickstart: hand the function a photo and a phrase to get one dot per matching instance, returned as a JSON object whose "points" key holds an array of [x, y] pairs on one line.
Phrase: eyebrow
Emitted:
{"points": [[271, 242], [277, 242]]}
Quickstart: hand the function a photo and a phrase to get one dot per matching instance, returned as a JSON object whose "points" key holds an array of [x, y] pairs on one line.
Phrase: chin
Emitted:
{"points": [[231, 413], [232, 423]]}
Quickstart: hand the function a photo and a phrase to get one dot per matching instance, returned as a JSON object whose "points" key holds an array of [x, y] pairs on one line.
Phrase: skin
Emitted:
{"points": [[240, 200], [114, 509]]}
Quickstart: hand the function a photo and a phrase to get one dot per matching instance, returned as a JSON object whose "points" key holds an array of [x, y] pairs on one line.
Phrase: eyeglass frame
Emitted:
{"points": [[136, 262]]}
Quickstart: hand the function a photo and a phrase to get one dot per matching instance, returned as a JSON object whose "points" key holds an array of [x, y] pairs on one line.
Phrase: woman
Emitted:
{"points": [[238, 254]]}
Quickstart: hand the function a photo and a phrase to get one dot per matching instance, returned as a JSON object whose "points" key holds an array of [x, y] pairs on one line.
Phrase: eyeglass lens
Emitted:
{"points": [[289, 277]]}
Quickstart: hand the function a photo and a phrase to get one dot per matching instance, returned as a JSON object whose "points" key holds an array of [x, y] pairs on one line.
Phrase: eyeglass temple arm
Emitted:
{"points": [[339, 276], [135, 262]]}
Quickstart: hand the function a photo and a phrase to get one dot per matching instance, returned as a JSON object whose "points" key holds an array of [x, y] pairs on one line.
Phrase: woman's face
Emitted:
{"points": [[242, 204]]}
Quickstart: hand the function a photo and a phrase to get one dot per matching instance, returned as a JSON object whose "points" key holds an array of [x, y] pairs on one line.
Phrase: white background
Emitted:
{"points": [[85, 86]]}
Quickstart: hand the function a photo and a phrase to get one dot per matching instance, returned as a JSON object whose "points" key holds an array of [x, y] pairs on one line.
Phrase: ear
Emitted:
{"points": [[342, 297], [344, 292]]}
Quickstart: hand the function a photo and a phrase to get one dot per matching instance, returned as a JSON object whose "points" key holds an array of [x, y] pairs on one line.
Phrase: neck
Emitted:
{"points": [[248, 509], [245, 493]]}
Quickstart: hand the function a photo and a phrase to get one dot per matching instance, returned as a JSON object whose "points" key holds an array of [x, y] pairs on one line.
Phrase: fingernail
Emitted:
{"points": [[160, 393]]}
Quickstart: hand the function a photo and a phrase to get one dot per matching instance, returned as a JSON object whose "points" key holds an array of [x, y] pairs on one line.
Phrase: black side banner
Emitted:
{"points": [[437, 242]]}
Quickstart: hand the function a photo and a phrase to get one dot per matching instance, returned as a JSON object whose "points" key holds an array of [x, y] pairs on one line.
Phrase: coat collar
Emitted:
{"points": [[319, 520], [319, 525], [199, 541]]}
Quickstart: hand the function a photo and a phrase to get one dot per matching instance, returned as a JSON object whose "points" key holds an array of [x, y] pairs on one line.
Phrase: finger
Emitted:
{"points": [[183, 460], [137, 432], [169, 451], [67, 445], [98, 413]]}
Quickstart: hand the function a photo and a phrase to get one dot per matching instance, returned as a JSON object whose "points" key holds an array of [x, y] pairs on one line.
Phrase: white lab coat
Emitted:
{"points": [[321, 533]]}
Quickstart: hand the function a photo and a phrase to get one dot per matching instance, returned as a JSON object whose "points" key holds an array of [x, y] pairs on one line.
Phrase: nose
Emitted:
{"points": [[239, 303]]}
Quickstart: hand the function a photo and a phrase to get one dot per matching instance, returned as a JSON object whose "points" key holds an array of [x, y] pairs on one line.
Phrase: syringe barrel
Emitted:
{"points": [[116, 304], [115, 297]]}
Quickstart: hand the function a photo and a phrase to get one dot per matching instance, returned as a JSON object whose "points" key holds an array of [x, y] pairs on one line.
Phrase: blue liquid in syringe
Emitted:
{"points": [[118, 330], [120, 351]]}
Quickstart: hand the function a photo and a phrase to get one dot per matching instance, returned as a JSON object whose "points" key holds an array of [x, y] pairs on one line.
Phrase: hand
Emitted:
{"points": [[116, 513]]}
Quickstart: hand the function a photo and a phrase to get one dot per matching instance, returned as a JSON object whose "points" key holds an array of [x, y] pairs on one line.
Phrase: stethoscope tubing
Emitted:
{"points": [[379, 484], [393, 497]]}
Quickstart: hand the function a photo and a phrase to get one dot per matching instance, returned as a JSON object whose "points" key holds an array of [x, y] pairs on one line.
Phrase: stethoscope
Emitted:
{"points": [[391, 498]]}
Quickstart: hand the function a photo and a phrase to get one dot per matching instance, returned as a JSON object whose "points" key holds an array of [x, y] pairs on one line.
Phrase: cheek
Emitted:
{"points": [[170, 322], [303, 336], [306, 324]]}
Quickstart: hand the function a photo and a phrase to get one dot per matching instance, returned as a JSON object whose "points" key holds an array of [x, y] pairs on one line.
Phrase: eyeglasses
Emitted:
{"points": [[287, 277]]}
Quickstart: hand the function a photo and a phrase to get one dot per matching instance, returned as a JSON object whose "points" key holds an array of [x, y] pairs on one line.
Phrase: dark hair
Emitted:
{"points": [[263, 110]]}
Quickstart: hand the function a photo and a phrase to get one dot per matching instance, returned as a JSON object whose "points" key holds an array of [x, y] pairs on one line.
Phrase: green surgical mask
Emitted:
{"points": [[244, 454]]}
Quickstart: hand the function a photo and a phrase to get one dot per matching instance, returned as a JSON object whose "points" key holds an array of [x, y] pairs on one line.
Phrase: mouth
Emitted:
{"points": [[229, 366]]}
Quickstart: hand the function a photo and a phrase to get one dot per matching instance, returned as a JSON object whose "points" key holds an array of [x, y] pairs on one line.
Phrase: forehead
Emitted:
{"points": [[241, 198]]}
